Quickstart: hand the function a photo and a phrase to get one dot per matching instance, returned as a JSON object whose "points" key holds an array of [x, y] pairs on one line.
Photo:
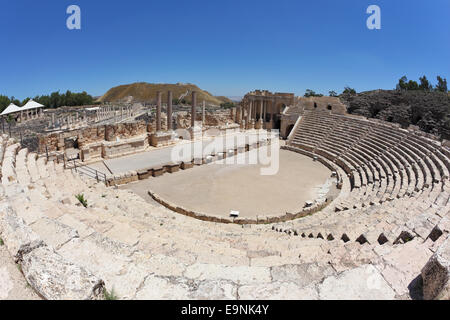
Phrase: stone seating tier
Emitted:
{"points": [[119, 241]]}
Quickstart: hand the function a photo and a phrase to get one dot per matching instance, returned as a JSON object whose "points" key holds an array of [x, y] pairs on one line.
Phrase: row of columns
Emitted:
{"points": [[104, 113], [30, 114], [257, 109], [170, 111], [108, 112]]}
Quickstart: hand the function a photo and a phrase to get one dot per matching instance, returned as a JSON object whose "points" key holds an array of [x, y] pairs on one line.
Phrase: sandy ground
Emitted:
{"points": [[219, 188], [13, 285]]}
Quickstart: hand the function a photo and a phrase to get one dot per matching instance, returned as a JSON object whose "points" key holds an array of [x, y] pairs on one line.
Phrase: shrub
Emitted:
{"points": [[83, 201], [110, 295]]}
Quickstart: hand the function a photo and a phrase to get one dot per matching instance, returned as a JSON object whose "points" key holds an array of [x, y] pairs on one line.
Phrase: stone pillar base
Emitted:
{"points": [[195, 132], [159, 139]]}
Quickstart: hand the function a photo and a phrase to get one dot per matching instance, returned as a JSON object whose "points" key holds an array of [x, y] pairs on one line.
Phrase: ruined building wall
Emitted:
{"points": [[86, 136]]}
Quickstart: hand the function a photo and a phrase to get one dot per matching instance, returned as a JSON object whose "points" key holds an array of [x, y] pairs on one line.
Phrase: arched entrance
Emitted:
{"points": [[277, 121]]}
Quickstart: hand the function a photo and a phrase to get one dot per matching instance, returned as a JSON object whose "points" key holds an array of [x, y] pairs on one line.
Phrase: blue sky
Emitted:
{"points": [[226, 47]]}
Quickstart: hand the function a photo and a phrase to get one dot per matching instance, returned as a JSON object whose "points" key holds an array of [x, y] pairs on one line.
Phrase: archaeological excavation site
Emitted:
{"points": [[224, 159], [161, 200]]}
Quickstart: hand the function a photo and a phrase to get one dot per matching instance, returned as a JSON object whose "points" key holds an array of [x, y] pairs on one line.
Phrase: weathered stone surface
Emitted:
{"points": [[105, 260], [403, 264], [160, 264], [79, 226], [277, 291], [363, 283], [237, 274], [436, 274], [123, 232], [54, 233], [57, 279], [301, 274], [175, 288], [18, 237], [13, 285]]}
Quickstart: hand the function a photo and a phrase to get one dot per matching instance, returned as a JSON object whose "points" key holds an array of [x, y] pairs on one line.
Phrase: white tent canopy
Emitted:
{"points": [[31, 104], [12, 108]]}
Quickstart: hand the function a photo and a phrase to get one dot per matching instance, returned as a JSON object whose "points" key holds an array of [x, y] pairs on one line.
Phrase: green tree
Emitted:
{"points": [[348, 90], [227, 105], [312, 93], [442, 84], [412, 85], [332, 93], [4, 102], [402, 83], [425, 84]]}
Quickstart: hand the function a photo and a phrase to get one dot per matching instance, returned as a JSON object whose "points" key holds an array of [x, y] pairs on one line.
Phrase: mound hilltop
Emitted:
{"points": [[428, 110], [147, 92]]}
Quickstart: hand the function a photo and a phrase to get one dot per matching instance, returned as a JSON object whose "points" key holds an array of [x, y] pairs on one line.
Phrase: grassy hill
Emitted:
{"points": [[143, 91]]}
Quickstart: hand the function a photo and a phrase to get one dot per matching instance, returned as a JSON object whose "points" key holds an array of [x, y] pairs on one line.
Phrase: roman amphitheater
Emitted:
{"points": [[96, 205]]}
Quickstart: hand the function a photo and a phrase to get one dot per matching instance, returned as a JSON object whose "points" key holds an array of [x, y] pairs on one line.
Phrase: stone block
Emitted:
{"points": [[158, 171], [144, 174], [436, 274], [186, 165], [19, 238], [54, 278], [172, 167]]}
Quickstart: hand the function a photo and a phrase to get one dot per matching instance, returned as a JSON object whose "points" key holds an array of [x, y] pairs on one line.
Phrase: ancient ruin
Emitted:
{"points": [[85, 208]]}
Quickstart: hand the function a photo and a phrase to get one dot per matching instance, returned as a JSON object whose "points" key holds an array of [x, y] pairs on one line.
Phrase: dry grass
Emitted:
{"points": [[143, 91]]}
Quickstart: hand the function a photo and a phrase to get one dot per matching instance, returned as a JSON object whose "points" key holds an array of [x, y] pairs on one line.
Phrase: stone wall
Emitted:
{"points": [[332, 104], [259, 219], [92, 135]]}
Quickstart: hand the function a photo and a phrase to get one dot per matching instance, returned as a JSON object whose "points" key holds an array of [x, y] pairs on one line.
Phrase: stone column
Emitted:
{"points": [[272, 113], [265, 111], [158, 112], [246, 114], [241, 114], [194, 104], [260, 121], [242, 124], [250, 114], [203, 113], [169, 110]]}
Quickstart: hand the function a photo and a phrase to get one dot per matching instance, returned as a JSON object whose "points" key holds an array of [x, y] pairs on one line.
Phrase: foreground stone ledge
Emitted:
{"points": [[362, 283], [436, 274], [49, 274], [19, 238], [54, 278]]}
